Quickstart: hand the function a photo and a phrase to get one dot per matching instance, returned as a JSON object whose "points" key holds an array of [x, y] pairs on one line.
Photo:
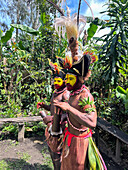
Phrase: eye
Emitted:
{"points": [[58, 80], [71, 78]]}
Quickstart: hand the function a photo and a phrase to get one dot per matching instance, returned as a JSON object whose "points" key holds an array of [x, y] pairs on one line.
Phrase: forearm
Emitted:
{"points": [[46, 107], [86, 119]]}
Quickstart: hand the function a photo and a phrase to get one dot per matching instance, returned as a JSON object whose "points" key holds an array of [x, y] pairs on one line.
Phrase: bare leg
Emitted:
{"points": [[55, 159]]}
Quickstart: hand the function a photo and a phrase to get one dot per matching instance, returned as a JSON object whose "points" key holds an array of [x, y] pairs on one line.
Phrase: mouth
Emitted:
{"points": [[56, 86], [69, 87]]}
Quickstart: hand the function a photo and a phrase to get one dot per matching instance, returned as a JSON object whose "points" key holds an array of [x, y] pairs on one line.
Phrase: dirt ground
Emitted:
{"points": [[32, 154]]}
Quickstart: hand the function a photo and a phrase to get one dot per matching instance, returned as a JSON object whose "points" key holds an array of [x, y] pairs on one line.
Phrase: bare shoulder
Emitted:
{"points": [[86, 93], [66, 95]]}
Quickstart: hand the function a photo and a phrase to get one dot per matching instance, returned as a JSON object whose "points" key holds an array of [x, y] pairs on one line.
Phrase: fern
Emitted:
{"points": [[86, 101]]}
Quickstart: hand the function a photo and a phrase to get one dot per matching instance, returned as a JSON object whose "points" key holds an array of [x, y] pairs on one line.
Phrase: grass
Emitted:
{"points": [[25, 156], [22, 161]]}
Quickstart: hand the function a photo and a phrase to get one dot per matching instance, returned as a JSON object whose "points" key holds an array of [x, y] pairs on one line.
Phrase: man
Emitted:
{"points": [[78, 148], [60, 94]]}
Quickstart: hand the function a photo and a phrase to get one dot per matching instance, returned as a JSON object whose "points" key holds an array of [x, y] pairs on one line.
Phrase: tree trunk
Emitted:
{"points": [[18, 17]]}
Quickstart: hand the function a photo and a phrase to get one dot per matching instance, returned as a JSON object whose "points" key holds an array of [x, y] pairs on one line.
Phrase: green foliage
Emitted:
{"points": [[7, 35], [123, 94], [25, 28], [3, 164], [86, 102], [113, 55], [9, 130]]}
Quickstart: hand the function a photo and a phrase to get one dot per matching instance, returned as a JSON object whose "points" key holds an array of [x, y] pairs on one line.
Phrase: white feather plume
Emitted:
{"points": [[69, 24]]}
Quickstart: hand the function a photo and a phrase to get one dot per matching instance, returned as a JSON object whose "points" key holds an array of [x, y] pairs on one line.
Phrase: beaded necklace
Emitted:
{"points": [[58, 92], [80, 130], [78, 91]]}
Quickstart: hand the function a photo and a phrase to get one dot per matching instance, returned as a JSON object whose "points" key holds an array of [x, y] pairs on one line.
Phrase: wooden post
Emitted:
{"points": [[118, 146], [21, 132]]}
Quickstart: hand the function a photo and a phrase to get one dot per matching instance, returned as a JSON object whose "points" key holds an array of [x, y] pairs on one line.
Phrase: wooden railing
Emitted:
{"points": [[120, 136], [20, 121]]}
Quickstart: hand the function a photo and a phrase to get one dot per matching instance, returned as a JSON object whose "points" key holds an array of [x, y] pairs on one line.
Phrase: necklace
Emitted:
{"points": [[79, 90], [80, 130], [58, 92]]}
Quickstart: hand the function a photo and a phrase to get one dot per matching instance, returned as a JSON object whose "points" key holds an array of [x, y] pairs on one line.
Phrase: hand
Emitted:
{"points": [[48, 119], [42, 113], [40, 105], [63, 105]]}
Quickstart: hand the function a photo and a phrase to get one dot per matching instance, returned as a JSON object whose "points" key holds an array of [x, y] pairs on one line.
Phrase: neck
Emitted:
{"points": [[77, 86]]}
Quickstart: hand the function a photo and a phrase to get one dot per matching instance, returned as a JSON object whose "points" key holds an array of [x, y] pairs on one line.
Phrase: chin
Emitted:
{"points": [[69, 88], [57, 87]]}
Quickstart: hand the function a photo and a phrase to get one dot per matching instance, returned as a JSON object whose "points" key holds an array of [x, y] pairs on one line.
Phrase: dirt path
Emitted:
{"points": [[33, 155]]}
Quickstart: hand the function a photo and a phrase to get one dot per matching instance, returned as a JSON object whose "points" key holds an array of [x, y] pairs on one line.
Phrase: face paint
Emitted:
{"points": [[58, 82], [70, 81]]}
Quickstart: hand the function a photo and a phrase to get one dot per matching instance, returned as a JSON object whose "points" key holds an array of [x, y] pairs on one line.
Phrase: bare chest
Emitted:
{"points": [[74, 101]]}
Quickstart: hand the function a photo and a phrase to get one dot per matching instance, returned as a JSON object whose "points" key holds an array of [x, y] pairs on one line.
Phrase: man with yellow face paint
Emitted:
{"points": [[58, 83], [60, 94], [79, 151], [71, 81]]}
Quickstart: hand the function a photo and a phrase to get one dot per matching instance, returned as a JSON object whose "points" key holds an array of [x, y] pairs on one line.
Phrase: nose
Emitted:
{"points": [[67, 81]]}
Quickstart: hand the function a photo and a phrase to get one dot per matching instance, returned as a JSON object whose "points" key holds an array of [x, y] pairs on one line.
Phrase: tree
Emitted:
{"points": [[113, 55]]}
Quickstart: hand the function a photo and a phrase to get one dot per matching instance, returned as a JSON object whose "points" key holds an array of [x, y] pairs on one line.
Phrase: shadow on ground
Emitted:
{"points": [[16, 164]]}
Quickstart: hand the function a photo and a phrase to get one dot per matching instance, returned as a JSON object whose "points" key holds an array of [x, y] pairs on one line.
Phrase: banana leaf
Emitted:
{"points": [[26, 29]]}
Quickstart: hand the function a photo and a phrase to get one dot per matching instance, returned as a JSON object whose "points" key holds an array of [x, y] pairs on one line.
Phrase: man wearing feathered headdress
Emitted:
{"points": [[60, 94], [79, 151]]}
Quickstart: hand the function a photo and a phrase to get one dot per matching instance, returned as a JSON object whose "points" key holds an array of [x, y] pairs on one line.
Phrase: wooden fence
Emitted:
{"points": [[119, 135]]}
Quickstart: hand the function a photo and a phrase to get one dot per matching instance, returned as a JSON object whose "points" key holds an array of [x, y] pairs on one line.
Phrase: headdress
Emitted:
{"points": [[56, 70], [79, 68], [73, 26]]}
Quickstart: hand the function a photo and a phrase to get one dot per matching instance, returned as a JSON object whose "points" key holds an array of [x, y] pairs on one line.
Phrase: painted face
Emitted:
{"points": [[58, 82], [70, 81]]}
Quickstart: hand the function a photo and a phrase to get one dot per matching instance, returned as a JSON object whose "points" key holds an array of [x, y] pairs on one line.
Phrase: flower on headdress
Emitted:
{"points": [[67, 62], [54, 66]]}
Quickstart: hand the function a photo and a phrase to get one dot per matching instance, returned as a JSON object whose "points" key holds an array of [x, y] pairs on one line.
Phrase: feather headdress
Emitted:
{"points": [[69, 25], [56, 69]]}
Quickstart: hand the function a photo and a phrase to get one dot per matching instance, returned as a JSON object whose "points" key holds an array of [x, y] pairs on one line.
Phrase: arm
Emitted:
{"points": [[83, 118], [88, 120], [42, 105]]}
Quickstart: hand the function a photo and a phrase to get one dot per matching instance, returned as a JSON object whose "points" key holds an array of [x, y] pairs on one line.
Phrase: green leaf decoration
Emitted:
{"points": [[21, 45], [26, 29], [7, 35], [95, 151], [86, 101], [91, 157]]}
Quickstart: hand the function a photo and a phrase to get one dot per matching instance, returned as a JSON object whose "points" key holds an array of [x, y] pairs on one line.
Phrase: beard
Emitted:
{"points": [[59, 87], [76, 86], [69, 87]]}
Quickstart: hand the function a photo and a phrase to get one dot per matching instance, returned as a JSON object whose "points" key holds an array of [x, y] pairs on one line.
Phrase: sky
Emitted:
{"points": [[97, 6]]}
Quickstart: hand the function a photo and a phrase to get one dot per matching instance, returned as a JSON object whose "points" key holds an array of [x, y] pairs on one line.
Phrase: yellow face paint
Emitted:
{"points": [[58, 81], [71, 79]]}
